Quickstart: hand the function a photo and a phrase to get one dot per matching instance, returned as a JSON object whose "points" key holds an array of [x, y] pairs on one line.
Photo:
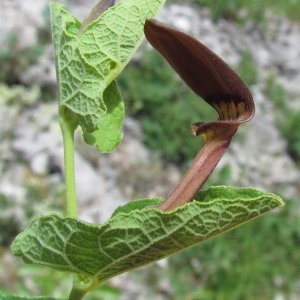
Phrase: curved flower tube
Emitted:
{"points": [[214, 81]]}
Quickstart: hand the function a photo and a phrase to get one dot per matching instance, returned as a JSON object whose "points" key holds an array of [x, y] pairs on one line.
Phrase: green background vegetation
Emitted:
{"points": [[244, 10]]}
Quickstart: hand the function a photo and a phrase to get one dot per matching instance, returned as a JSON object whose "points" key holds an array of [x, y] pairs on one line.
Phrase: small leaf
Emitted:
{"points": [[90, 58], [133, 239], [107, 134]]}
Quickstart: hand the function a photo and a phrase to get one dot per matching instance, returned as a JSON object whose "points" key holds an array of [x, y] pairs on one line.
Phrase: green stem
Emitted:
{"points": [[68, 126], [81, 286], [76, 294]]}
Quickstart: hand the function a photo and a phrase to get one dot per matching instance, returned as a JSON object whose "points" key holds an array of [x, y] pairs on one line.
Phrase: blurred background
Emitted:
{"points": [[260, 40]]}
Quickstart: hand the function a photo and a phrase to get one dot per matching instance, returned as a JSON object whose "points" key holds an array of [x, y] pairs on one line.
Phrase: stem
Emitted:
{"points": [[81, 286], [68, 128], [201, 168], [76, 294]]}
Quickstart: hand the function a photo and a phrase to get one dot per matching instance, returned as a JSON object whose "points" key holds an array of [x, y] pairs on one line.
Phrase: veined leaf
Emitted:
{"points": [[4, 296], [108, 135], [88, 62], [134, 236]]}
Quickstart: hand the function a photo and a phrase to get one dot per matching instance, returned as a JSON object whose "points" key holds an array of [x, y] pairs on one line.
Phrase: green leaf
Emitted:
{"points": [[139, 237], [137, 205], [108, 134], [4, 296], [88, 62]]}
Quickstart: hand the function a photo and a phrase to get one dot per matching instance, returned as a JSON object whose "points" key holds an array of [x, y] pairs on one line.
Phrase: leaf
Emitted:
{"points": [[139, 237], [4, 296], [108, 134], [88, 62], [137, 205]]}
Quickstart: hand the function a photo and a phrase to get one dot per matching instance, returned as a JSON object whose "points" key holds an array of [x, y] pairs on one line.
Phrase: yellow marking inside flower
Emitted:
{"points": [[230, 110], [241, 108], [233, 112]]}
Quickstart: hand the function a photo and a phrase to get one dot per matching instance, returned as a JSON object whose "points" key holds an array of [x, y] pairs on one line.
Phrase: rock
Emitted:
{"points": [[21, 18], [39, 163], [258, 158]]}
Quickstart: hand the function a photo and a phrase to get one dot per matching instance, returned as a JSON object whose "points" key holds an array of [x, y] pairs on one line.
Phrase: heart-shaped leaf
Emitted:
{"points": [[137, 235]]}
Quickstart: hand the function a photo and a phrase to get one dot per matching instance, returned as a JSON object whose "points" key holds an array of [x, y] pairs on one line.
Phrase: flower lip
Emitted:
{"points": [[203, 71]]}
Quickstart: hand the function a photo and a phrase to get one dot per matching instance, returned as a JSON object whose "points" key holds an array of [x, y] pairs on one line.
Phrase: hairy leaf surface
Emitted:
{"points": [[137, 235], [88, 62]]}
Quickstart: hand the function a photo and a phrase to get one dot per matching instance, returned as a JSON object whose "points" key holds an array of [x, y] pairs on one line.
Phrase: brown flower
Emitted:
{"points": [[214, 81]]}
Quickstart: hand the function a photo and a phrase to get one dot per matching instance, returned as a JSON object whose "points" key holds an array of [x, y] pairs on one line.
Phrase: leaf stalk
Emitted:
{"points": [[68, 128], [76, 294]]}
